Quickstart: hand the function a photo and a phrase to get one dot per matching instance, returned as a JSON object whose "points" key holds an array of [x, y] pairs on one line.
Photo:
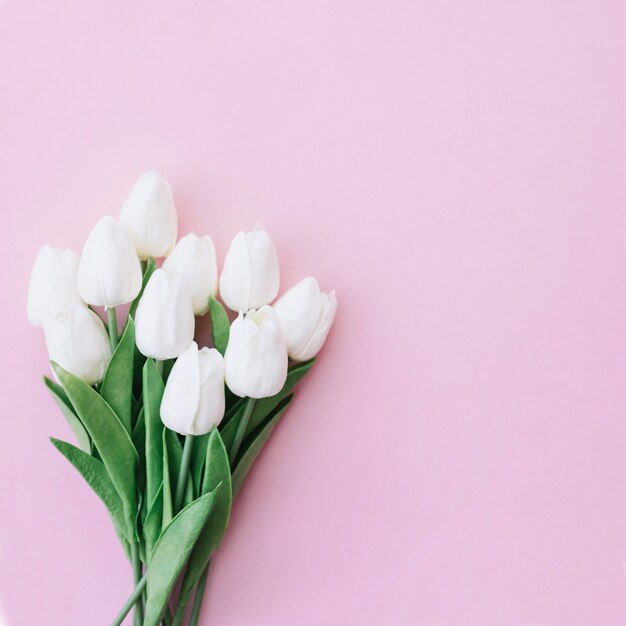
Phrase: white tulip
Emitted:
{"points": [[77, 340], [53, 284], [109, 273], [164, 322], [251, 276], [256, 355], [305, 315], [149, 216], [193, 401], [194, 257]]}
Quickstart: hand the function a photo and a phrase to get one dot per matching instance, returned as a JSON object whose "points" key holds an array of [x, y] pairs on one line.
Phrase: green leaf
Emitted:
{"points": [[171, 553], [139, 441], [63, 402], [228, 432], [153, 523], [174, 455], [256, 444], [139, 361], [174, 449], [189, 495], [110, 438], [196, 465], [168, 500], [216, 474], [146, 277], [96, 476], [264, 406], [152, 394], [220, 325], [117, 386]]}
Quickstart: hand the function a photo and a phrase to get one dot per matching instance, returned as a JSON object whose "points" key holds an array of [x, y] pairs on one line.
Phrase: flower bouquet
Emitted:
{"points": [[167, 431]]}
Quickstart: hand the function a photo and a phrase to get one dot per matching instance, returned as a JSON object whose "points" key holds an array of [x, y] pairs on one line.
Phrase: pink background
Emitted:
{"points": [[457, 171]]}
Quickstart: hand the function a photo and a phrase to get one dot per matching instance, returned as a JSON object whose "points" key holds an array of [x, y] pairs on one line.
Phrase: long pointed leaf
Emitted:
{"points": [[96, 476], [256, 445], [216, 474], [146, 277], [229, 430], [63, 402], [117, 386], [152, 394], [171, 553], [153, 523], [220, 325], [264, 406], [139, 441], [110, 438], [168, 498], [196, 465]]}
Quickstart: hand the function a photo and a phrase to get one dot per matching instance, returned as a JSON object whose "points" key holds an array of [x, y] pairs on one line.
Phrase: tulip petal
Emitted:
{"points": [[298, 311], [164, 322], [53, 286], [212, 400], [182, 392], [109, 273], [149, 216], [195, 259], [265, 276], [327, 317], [235, 281], [77, 340], [256, 357]]}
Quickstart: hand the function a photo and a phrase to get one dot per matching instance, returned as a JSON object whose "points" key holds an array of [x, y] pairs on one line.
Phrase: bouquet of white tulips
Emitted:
{"points": [[166, 430]]}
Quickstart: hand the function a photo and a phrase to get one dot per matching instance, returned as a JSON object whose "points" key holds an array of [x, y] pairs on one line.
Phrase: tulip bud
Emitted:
{"points": [[149, 216], [305, 315], [53, 284], [109, 272], [78, 342], [256, 356], [193, 401], [164, 322], [194, 257], [251, 275]]}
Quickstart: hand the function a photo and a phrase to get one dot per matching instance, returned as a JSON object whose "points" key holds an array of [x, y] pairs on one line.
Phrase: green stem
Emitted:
{"points": [[136, 562], [159, 365], [197, 602], [113, 336], [135, 595], [241, 431], [180, 491], [183, 473], [232, 456], [179, 616]]}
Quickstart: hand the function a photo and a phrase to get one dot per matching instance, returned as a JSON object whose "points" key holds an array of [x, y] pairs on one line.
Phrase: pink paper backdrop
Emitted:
{"points": [[456, 170]]}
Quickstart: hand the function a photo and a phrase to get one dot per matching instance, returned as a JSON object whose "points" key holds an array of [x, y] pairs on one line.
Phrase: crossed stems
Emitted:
{"points": [[135, 598]]}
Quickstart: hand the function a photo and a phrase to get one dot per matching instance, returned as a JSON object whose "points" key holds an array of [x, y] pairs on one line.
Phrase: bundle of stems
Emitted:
{"points": [[169, 495]]}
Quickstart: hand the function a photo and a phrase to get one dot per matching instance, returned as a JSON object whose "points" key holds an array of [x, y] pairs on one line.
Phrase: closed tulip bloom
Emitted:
{"points": [[256, 355], [305, 315], [164, 322], [194, 257], [149, 216], [193, 401], [251, 276], [53, 284], [78, 342], [109, 273]]}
